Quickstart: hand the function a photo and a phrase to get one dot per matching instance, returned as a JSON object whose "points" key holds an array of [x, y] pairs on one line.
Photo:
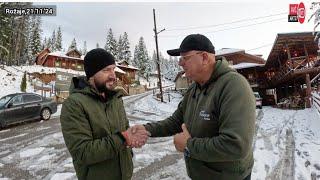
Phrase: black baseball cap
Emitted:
{"points": [[196, 42]]}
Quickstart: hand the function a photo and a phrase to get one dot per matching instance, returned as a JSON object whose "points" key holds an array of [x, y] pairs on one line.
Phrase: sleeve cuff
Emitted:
{"points": [[188, 145]]}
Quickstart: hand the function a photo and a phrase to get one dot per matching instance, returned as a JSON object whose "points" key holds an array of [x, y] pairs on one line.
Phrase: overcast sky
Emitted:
{"points": [[89, 21]]}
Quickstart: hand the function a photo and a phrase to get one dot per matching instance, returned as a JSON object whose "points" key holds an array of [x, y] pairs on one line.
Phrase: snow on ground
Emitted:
{"points": [[150, 109], [60, 176], [152, 83], [11, 76], [287, 144], [57, 114], [146, 110], [176, 171], [31, 152]]}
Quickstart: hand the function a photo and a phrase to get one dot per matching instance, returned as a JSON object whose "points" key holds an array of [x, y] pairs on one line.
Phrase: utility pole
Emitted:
{"points": [[157, 51]]}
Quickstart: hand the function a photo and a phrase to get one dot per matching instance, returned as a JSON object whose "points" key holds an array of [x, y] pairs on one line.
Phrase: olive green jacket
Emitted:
{"points": [[220, 116], [90, 127]]}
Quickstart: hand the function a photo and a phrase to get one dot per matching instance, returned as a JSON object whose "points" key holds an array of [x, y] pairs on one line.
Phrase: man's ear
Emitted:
{"points": [[205, 57]]}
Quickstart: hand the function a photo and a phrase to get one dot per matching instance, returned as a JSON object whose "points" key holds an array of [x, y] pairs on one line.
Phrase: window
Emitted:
{"points": [[17, 100], [31, 98], [5, 99]]}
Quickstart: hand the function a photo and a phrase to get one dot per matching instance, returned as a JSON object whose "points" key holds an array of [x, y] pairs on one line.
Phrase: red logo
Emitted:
{"points": [[297, 13], [293, 9], [301, 12]]}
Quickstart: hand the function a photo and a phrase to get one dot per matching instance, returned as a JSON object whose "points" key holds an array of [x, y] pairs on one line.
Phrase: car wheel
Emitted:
{"points": [[45, 114]]}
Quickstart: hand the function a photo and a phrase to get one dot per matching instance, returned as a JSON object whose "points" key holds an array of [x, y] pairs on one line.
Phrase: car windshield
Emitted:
{"points": [[5, 99]]}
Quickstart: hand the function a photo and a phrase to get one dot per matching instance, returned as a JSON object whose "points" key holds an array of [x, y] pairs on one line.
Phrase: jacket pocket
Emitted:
{"points": [[199, 171]]}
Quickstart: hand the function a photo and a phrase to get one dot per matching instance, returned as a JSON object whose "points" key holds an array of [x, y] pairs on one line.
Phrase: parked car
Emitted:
{"points": [[19, 107], [258, 100]]}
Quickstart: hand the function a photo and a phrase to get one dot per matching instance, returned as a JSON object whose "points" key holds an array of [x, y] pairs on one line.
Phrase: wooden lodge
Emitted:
{"points": [[291, 68], [249, 65], [70, 60], [130, 70], [74, 60]]}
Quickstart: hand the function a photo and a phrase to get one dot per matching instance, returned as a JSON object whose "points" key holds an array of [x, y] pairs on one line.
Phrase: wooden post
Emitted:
{"points": [[280, 65], [157, 53], [308, 91], [289, 56], [306, 53]]}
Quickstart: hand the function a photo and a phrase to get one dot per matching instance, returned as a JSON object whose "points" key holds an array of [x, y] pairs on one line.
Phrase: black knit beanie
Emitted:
{"points": [[95, 60]]}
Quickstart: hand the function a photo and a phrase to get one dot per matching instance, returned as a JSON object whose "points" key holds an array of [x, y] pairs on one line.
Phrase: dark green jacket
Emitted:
{"points": [[90, 128], [220, 117]]}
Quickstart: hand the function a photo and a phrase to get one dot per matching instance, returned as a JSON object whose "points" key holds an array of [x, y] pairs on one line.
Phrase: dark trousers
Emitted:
{"points": [[248, 177]]}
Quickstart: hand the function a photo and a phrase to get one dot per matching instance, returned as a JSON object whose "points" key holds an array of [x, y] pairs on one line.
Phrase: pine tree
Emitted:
{"points": [[58, 44], [23, 85], [141, 59], [49, 44], [120, 49], [97, 45], [53, 41], [5, 34], [126, 47], [111, 44], [13, 35], [84, 49], [154, 61], [44, 43], [135, 61], [35, 36], [73, 45]]}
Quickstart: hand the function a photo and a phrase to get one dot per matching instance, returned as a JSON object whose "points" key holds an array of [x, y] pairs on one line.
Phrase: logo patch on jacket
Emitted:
{"points": [[204, 115]]}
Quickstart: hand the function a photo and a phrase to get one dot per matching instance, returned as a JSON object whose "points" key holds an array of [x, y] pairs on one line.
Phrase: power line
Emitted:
{"points": [[222, 24], [226, 29], [260, 47]]}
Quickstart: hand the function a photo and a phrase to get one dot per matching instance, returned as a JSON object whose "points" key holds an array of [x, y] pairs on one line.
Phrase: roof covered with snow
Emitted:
{"points": [[246, 65], [225, 51], [129, 66], [63, 54]]}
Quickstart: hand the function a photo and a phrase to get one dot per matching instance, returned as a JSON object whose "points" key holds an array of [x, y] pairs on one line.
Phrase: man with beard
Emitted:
{"points": [[94, 123]]}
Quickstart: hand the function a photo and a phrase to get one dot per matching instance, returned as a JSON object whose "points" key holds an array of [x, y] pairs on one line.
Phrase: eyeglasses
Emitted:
{"points": [[185, 58]]}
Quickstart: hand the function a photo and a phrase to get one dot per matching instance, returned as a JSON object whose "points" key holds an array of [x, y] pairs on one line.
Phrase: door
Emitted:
{"points": [[15, 113], [32, 105]]}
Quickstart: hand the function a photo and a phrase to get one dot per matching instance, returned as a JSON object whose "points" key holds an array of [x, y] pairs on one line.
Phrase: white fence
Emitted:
{"points": [[316, 101]]}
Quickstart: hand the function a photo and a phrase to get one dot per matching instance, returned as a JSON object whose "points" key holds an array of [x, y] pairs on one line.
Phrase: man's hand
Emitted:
{"points": [[136, 136], [180, 140]]}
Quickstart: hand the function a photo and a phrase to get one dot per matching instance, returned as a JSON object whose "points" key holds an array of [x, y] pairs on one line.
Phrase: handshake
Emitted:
{"points": [[136, 136]]}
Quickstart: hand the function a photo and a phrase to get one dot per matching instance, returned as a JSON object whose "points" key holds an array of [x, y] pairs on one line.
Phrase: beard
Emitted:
{"points": [[103, 86]]}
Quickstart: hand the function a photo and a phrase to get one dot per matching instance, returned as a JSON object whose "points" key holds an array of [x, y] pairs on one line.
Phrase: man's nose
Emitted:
{"points": [[181, 63], [113, 74]]}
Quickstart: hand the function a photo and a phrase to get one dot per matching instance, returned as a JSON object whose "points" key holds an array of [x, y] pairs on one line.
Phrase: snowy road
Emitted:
{"points": [[286, 146]]}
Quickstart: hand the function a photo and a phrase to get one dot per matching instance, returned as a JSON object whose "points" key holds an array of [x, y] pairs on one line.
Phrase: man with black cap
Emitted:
{"points": [[94, 122], [214, 123]]}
